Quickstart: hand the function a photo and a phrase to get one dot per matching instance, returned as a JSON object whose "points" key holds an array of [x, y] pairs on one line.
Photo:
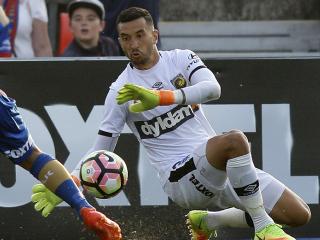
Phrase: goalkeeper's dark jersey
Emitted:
{"points": [[15, 141]]}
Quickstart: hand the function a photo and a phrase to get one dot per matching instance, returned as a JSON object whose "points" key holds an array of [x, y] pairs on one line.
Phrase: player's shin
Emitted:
{"points": [[243, 178], [55, 177]]}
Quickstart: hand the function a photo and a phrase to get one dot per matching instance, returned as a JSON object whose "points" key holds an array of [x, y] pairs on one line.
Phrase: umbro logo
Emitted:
{"points": [[158, 85], [251, 188], [248, 190]]}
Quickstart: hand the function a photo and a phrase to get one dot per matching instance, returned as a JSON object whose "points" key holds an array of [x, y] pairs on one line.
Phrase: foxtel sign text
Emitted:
{"points": [[277, 143]]}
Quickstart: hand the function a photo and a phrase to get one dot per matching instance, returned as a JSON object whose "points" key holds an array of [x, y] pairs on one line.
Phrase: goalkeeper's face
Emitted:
{"points": [[138, 41]]}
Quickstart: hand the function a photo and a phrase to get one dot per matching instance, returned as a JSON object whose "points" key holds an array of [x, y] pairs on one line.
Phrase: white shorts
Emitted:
{"points": [[195, 184]]}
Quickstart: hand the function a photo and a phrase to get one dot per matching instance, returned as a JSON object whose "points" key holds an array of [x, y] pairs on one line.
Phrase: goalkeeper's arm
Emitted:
{"points": [[205, 87]]}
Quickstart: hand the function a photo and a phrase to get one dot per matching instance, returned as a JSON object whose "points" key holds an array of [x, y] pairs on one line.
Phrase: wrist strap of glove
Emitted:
{"points": [[166, 97]]}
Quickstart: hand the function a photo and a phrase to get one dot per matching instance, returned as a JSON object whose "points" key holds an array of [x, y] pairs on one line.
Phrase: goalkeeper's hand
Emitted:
{"points": [[44, 200], [147, 98]]}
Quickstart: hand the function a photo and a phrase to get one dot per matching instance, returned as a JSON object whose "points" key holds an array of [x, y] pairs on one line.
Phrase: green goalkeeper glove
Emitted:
{"points": [[44, 200], [147, 98]]}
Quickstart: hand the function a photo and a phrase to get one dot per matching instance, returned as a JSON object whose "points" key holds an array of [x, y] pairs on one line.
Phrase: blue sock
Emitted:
{"points": [[70, 193]]}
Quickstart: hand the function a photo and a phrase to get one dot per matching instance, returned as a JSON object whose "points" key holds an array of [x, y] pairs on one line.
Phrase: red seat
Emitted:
{"points": [[65, 36]]}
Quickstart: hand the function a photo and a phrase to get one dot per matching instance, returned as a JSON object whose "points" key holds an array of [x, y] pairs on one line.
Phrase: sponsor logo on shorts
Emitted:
{"points": [[200, 187], [180, 163], [18, 153], [164, 123]]}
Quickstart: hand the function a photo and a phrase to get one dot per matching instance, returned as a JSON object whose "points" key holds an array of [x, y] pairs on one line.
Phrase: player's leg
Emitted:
{"points": [[231, 152], [283, 205], [57, 179], [290, 210], [202, 223], [195, 183], [17, 144]]}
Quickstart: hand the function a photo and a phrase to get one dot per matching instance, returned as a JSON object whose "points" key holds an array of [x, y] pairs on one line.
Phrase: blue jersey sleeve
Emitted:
{"points": [[15, 140]]}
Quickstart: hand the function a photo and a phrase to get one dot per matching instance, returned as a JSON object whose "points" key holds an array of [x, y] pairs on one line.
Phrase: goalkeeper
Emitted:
{"points": [[159, 96], [17, 144]]}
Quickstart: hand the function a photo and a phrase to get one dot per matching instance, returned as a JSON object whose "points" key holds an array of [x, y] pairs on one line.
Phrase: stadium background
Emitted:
{"points": [[259, 96], [210, 10]]}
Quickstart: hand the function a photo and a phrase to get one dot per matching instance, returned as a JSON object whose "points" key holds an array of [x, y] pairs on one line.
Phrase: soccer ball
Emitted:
{"points": [[103, 174]]}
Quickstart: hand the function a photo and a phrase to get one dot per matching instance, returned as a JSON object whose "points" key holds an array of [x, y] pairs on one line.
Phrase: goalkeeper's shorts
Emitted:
{"points": [[195, 184], [15, 141]]}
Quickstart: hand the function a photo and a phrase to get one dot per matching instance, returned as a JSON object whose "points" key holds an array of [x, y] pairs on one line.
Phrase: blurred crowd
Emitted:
{"points": [[90, 27]]}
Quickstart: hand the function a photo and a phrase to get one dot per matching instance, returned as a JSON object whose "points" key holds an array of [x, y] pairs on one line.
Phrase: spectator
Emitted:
{"points": [[29, 33], [113, 9], [86, 25]]}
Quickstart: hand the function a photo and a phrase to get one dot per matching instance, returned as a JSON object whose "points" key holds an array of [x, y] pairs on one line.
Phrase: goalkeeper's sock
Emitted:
{"points": [[244, 180], [230, 217], [56, 178]]}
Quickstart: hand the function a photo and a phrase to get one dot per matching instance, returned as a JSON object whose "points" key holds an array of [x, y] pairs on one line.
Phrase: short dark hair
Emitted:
{"points": [[134, 13]]}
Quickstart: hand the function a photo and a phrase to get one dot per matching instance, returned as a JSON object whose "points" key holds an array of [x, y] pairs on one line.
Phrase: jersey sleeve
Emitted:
{"points": [[38, 10], [188, 63], [114, 117], [202, 84]]}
